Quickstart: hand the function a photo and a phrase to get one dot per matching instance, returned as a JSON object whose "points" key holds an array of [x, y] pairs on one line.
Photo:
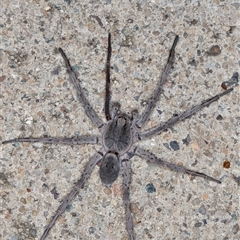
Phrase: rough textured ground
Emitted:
{"points": [[38, 100]]}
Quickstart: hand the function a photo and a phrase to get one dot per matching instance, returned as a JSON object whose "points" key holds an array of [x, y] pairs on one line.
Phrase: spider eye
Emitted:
{"points": [[109, 169]]}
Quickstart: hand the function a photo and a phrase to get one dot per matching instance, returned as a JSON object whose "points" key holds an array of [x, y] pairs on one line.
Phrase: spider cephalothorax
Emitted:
{"points": [[118, 137]]}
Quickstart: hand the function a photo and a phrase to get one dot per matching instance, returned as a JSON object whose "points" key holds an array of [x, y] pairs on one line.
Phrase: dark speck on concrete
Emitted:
{"points": [[55, 193], [159, 111], [174, 145], [192, 62], [237, 180], [186, 140], [130, 155], [74, 214], [235, 229], [16, 144], [214, 50], [202, 210], [198, 224], [159, 209], [55, 70], [234, 216], [91, 230], [69, 208], [219, 117], [204, 221], [67, 1], [150, 188], [234, 78], [184, 224]]}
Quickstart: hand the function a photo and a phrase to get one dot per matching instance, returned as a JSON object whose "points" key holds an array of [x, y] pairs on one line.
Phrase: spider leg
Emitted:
{"points": [[107, 91], [80, 94], [152, 101], [71, 141], [151, 157], [126, 197], [172, 121], [78, 185]]}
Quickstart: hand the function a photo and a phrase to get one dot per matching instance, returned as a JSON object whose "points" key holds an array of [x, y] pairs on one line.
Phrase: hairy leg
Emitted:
{"points": [[80, 94], [126, 197], [151, 157], [70, 141], [152, 101], [172, 121], [107, 90], [78, 185]]}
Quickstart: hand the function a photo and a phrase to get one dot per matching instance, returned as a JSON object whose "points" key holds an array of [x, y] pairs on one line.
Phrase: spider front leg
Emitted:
{"points": [[151, 157], [152, 101], [126, 197], [53, 140], [78, 185], [107, 88]]}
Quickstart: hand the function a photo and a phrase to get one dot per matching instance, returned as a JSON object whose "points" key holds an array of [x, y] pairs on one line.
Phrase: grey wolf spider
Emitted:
{"points": [[118, 137]]}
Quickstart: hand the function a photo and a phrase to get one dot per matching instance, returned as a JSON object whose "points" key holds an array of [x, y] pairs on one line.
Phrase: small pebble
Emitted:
{"points": [[107, 191], [33, 232], [69, 208], [204, 221], [235, 229], [16, 144], [186, 140], [214, 50], [237, 180], [195, 146], [159, 111], [226, 164], [91, 230], [117, 190], [202, 210], [134, 208], [48, 8], [150, 188], [55, 70], [198, 224], [22, 209], [159, 209], [55, 193], [219, 117], [174, 145], [23, 200]]}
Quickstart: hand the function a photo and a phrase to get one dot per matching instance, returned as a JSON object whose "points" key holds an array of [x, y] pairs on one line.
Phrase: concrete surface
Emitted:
{"points": [[38, 100]]}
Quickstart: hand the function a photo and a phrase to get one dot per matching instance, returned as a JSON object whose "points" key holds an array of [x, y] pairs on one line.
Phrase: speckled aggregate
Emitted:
{"points": [[38, 100]]}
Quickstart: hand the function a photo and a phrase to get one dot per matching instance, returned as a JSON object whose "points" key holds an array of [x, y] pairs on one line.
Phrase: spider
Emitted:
{"points": [[118, 137]]}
